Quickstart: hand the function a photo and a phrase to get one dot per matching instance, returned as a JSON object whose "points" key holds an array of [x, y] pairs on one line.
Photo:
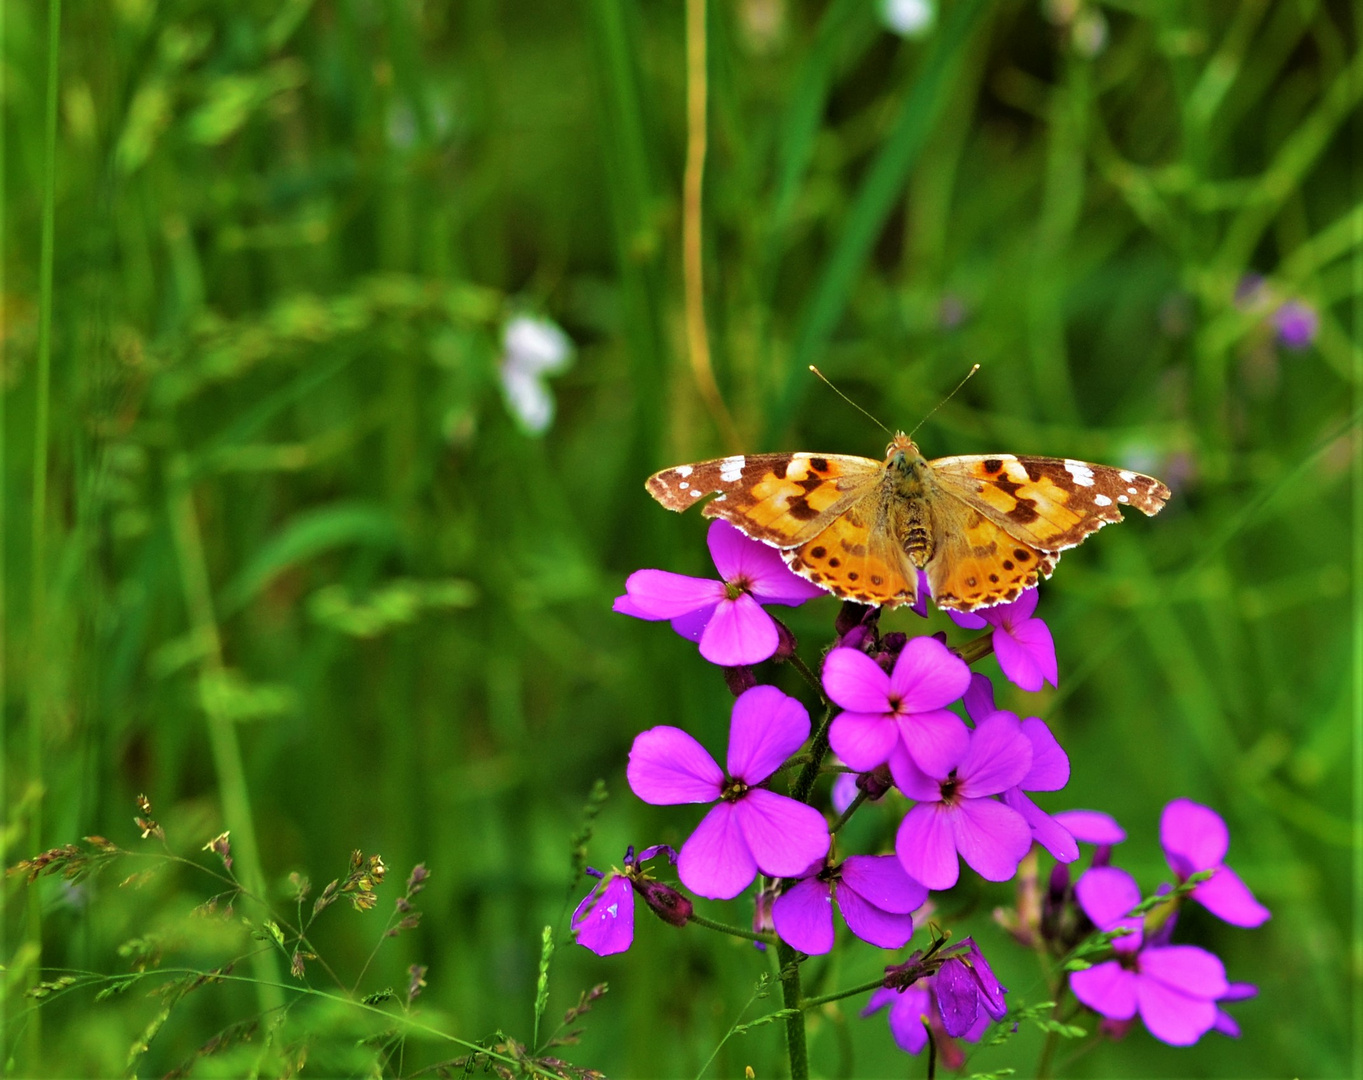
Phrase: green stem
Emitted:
{"points": [[818, 750], [976, 648], [37, 682], [846, 814], [799, 665], [824, 999], [733, 931], [222, 733], [796, 1050]]}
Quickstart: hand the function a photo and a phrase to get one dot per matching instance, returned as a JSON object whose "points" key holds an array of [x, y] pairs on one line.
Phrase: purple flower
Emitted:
{"points": [[955, 813], [1225, 1023], [873, 893], [752, 828], [967, 991], [604, 921], [1297, 324], [724, 616], [905, 707], [1195, 838], [1092, 826], [1023, 644], [909, 1008], [1050, 771], [1175, 988]]}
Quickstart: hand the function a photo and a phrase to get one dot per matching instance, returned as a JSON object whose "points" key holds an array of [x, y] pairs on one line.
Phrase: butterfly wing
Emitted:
{"points": [[856, 556], [1004, 520], [1050, 503], [781, 499]]}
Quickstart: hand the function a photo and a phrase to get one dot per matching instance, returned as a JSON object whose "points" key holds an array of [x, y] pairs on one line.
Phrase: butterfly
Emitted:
{"points": [[983, 527]]}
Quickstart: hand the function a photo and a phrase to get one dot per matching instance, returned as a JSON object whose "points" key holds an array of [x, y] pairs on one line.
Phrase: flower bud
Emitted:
{"points": [[739, 680], [787, 645], [667, 903], [852, 615]]}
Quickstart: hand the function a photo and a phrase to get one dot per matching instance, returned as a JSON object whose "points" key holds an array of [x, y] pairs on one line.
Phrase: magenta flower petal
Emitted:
{"points": [[1186, 968], [912, 780], [1092, 826], [1046, 831], [844, 791], [766, 727], [999, 756], [907, 1009], [715, 860], [979, 698], [991, 837], [855, 682], [730, 550], [862, 740], [692, 624], [1194, 837], [928, 675], [1106, 894], [803, 916], [1229, 898], [784, 835], [937, 741], [1026, 652], [604, 921], [667, 767], [1020, 609], [926, 846], [958, 997], [739, 632], [880, 880], [1050, 769], [1177, 992], [1107, 988], [660, 594], [968, 620], [870, 923]]}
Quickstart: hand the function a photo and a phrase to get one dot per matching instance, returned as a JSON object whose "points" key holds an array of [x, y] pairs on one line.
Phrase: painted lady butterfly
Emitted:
{"points": [[985, 528]]}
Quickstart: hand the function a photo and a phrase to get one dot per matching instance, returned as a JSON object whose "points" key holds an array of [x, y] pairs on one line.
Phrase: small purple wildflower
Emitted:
{"points": [[908, 1009], [1023, 644], [1092, 826], [1297, 324], [873, 893], [604, 920], [752, 828], [955, 811], [1195, 838], [967, 991], [725, 616], [906, 707]]}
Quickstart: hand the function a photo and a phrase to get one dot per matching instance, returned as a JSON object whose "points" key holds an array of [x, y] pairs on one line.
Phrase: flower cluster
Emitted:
{"points": [[909, 729]]}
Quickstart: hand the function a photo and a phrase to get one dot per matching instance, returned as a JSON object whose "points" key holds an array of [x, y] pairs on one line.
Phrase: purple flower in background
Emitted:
{"points": [[967, 991], [905, 707], [1092, 826], [1023, 644], [1297, 324], [908, 1008], [604, 921], [752, 828], [725, 617], [1195, 838], [955, 813], [873, 893], [1106, 894]]}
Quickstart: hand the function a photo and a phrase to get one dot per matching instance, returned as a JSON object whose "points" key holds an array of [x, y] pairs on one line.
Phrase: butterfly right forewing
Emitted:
{"points": [[782, 499]]}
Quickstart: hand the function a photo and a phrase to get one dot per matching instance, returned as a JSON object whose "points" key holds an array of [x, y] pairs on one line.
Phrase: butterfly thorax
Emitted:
{"points": [[911, 488]]}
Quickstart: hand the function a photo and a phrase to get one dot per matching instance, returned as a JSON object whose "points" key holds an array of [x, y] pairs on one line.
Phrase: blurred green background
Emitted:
{"points": [[283, 516]]}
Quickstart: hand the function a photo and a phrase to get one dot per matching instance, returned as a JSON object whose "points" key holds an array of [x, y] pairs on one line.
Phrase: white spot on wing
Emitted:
{"points": [[1082, 474], [683, 471], [683, 485], [1127, 475], [695, 494], [1131, 491], [1102, 500], [731, 468], [1122, 498]]}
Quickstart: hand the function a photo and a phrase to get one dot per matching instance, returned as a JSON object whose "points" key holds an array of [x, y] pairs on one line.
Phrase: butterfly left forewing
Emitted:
{"points": [[782, 499], [1049, 503]]}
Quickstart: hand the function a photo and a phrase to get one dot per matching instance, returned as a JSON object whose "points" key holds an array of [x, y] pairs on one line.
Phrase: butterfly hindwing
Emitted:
{"points": [[976, 563], [782, 499], [856, 558]]}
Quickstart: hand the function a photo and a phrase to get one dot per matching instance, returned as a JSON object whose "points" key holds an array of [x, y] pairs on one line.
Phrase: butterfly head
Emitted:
{"points": [[902, 453]]}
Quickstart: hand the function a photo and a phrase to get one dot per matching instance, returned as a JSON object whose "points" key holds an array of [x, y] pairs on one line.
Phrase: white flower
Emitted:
{"points": [[533, 349], [908, 18]]}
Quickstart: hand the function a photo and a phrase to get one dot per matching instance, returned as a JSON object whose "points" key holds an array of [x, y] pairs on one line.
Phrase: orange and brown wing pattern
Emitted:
{"points": [[855, 557], [976, 563], [782, 499], [1048, 503]]}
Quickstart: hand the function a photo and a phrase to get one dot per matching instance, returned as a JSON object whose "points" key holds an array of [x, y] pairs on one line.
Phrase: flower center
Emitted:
{"points": [[949, 787], [733, 790], [737, 587]]}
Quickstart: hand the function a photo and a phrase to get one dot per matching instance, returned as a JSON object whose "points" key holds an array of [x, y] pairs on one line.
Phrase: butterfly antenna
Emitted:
{"points": [[849, 401], [945, 399]]}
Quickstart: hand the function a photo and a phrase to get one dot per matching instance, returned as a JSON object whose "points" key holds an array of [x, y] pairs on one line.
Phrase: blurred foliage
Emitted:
{"points": [[285, 496]]}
